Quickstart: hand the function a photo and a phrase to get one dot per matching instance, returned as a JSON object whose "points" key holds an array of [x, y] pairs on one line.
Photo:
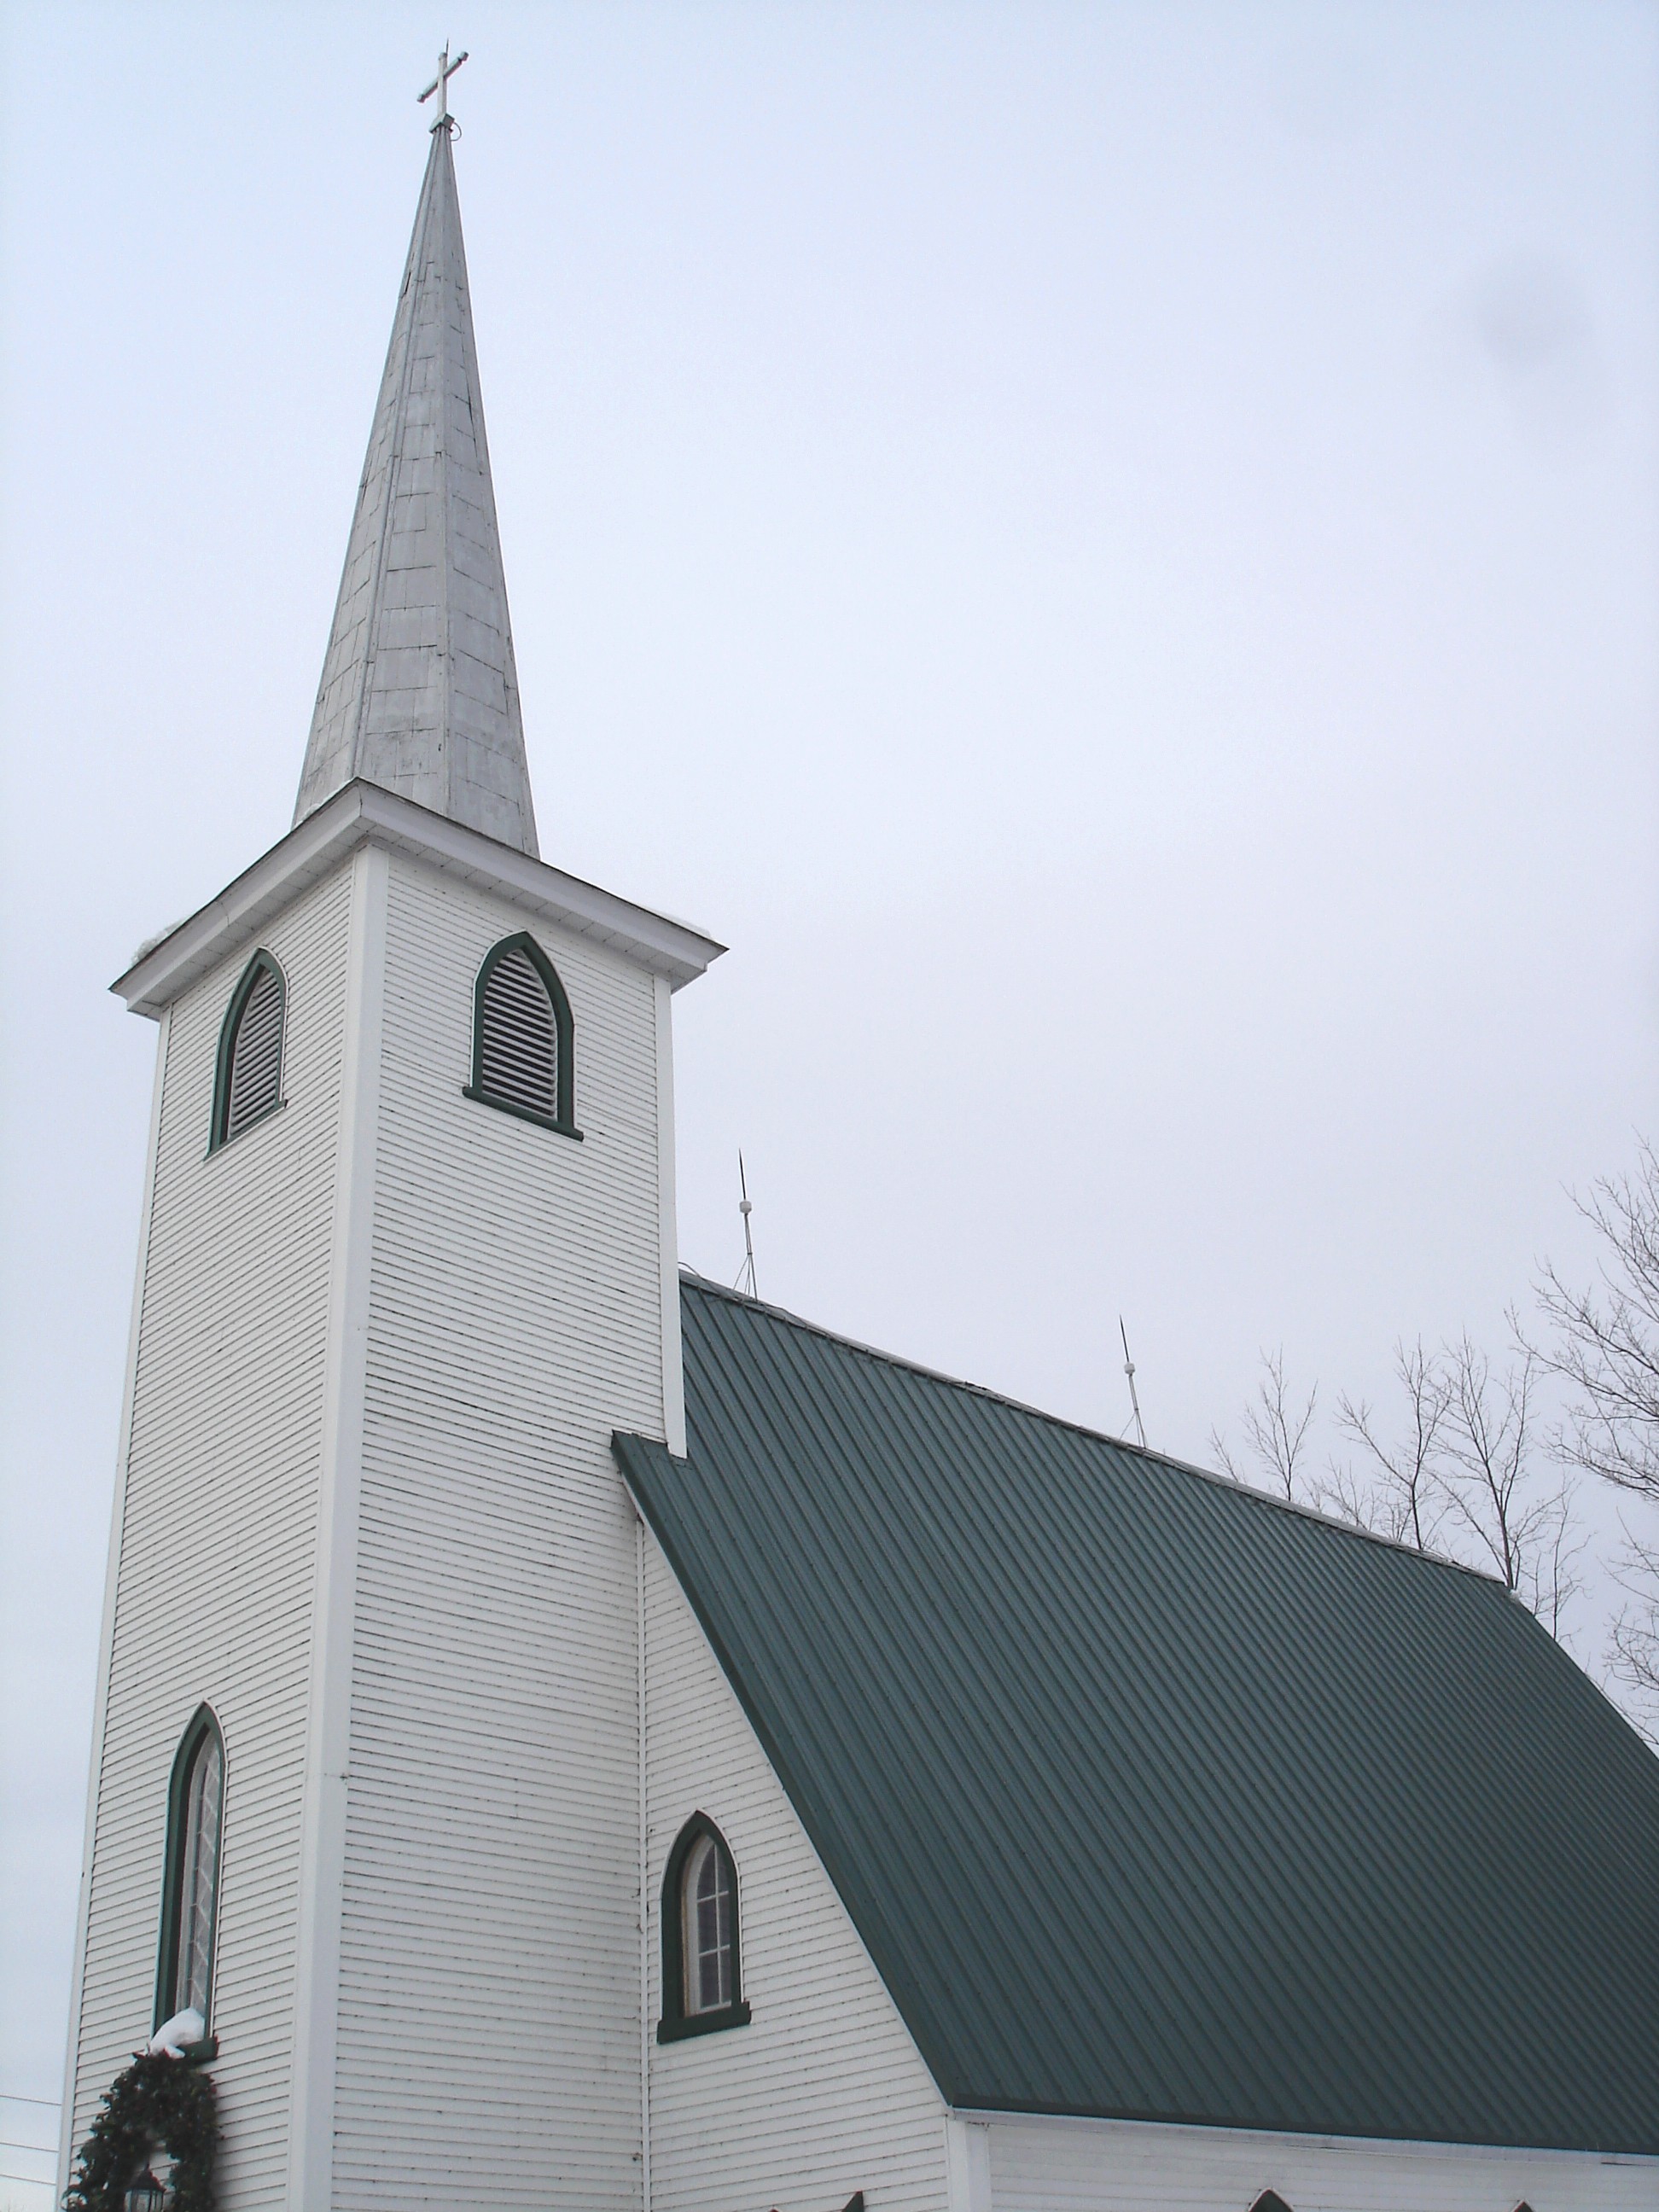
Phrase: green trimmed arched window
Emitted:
{"points": [[702, 1960], [247, 1081], [190, 1891], [523, 1037]]}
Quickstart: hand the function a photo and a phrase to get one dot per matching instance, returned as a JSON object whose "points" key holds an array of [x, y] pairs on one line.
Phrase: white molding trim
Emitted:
{"points": [[323, 1833], [673, 1367], [646, 2037], [66, 2145], [362, 812], [1190, 2152], [1197, 2131], [967, 2164]]}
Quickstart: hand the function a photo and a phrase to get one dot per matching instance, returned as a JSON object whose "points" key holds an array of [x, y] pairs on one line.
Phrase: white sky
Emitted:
{"points": [[1110, 552]]}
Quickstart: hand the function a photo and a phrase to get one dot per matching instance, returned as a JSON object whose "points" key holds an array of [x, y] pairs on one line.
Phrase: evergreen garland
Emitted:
{"points": [[157, 2100]]}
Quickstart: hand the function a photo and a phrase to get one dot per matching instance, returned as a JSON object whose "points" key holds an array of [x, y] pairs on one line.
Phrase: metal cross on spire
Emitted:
{"points": [[440, 84]]}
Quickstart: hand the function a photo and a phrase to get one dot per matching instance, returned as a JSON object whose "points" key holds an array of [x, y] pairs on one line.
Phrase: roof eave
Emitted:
{"points": [[363, 813]]}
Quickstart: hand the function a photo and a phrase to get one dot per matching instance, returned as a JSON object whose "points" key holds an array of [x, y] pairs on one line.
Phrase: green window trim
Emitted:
{"points": [[702, 2023], [204, 1724], [263, 963], [676, 2023], [562, 1121]]}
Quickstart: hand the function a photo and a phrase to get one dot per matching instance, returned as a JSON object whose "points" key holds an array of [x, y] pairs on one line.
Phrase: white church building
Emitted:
{"points": [[578, 1740]]}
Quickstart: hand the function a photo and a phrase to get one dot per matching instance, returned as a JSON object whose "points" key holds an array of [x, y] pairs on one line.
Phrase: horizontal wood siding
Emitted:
{"points": [[1069, 2165], [823, 2093], [488, 2021], [216, 1544]]}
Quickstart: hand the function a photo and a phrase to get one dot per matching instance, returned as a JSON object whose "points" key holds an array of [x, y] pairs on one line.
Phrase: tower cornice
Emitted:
{"points": [[364, 813]]}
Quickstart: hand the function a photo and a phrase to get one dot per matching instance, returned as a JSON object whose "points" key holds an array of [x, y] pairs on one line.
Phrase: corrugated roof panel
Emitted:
{"points": [[1152, 1797]]}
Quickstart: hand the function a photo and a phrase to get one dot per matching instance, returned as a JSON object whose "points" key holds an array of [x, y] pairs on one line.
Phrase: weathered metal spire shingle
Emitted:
{"points": [[419, 691]]}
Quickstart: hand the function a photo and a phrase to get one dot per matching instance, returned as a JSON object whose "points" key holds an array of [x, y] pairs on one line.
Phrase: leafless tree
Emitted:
{"points": [[1605, 1348], [1634, 1635], [1400, 1493], [1468, 1474], [1276, 1432], [1495, 1488], [1607, 1344]]}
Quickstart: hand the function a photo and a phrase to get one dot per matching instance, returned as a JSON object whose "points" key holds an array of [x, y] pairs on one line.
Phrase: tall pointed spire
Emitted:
{"points": [[419, 691]]}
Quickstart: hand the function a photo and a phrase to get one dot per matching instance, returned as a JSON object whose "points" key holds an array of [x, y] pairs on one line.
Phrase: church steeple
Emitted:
{"points": [[419, 691]]}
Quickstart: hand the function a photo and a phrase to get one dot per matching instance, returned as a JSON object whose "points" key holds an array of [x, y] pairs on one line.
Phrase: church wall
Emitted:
{"points": [[1093, 2166], [214, 1544], [823, 2093], [488, 2030]]}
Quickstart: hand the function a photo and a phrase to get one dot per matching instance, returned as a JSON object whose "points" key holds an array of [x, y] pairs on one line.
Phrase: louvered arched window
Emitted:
{"points": [[248, 1083], [190, 1896], [523, 1038], [702, 1982]]}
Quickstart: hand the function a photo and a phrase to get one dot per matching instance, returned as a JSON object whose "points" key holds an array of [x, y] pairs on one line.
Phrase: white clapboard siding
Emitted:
{"points": [[489, 1997], [216, 1541], [1093, 2166], [823, 2093]]}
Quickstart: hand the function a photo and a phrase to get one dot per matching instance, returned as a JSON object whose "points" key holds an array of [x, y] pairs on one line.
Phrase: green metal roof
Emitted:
{"points": [[1151, 1796]]}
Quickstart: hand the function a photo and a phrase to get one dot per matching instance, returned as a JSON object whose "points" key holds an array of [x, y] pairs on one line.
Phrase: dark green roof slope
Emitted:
{"points": [[1152, 1797]]}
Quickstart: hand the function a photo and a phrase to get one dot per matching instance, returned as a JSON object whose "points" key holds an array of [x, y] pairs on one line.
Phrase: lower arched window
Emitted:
{"points": [[701, 1978], [190, 1896]]}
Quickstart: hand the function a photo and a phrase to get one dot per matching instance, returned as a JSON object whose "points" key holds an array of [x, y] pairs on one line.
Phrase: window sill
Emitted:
{"points": [[702, 2023], [522, 1113], [223, 1144]]}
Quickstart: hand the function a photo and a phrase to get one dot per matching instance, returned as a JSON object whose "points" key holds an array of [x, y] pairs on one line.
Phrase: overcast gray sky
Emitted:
{"points": [[1110, 552]]}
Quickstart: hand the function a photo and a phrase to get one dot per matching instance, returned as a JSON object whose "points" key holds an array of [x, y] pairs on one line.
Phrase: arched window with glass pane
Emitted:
{"points": [[703, 1986], [190, 1896], [524, 1037], [248, 1078]]}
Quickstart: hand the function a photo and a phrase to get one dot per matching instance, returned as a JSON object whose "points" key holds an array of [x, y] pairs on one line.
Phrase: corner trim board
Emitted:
{"points": [[323, 1832], [673, 1352], [66, 2145]]}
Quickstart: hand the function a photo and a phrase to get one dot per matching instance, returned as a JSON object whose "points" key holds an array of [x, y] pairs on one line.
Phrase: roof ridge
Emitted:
{"points": [[690, 1277]]}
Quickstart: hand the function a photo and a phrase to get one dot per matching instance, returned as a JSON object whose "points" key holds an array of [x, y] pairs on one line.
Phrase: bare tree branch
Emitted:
{"points": [[1634, 1635], [1406, 1499], [1607, 1337], [1466, 1465], [1528, 1528], [1276, 1430], [1605, 1349]]}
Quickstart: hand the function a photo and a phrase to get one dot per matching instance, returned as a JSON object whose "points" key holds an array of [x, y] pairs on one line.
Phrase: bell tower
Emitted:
{"points": [[408, 1259]]}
